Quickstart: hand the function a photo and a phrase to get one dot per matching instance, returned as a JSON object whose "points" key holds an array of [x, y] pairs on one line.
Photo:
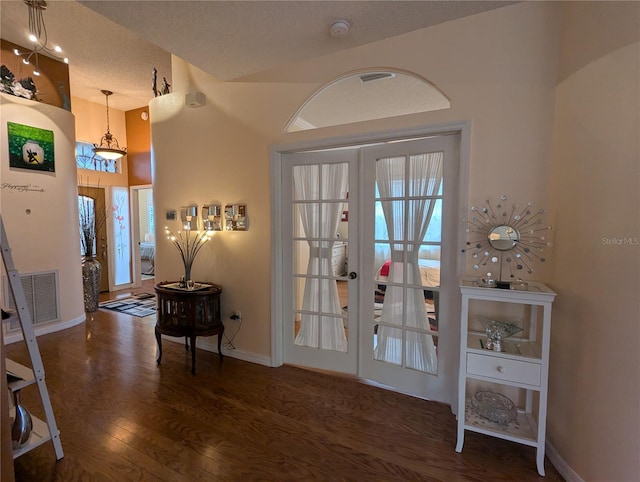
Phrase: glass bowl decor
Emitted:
{"points": [[497, 330], [494, 406]]}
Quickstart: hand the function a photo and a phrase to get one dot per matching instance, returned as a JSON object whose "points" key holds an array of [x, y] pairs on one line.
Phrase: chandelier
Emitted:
{"points": [[109, 147], [38, 37]]}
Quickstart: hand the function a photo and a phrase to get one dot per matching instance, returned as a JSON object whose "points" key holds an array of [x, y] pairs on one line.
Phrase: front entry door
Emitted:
{"points": [[319, 296], [100, 248]]}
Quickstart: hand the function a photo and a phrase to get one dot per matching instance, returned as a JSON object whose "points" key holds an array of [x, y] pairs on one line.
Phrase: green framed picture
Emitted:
{"points": [[30, 148]]}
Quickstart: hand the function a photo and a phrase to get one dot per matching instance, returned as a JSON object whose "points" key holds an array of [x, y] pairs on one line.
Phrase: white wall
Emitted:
{"points": [[594, 392], [42, 223]]}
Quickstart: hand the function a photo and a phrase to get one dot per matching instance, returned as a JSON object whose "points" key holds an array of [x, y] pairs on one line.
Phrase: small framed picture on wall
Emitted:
{"points": [[345, 213]]}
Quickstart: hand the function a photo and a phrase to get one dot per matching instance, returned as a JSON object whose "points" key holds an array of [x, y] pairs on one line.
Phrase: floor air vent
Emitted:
{"points": [[41, 293]]}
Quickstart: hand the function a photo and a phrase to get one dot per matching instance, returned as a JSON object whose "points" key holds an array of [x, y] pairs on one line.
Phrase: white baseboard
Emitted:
{"points": [[560, 465], [211, 344], [45, 329]]}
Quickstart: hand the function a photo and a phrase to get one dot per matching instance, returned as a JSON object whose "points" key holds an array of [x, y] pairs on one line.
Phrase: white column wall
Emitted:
{"points": [[42, 223]]}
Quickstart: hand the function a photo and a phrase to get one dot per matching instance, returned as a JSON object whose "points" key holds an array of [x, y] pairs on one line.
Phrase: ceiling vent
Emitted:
{"points": [[364, 78]]}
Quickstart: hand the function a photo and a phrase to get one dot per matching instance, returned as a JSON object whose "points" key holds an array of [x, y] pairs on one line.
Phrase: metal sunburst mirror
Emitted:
{"points": [[509, 238]]}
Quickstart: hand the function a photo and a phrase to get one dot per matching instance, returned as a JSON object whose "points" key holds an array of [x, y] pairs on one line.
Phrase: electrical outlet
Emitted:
{"points": [[237, 315]]}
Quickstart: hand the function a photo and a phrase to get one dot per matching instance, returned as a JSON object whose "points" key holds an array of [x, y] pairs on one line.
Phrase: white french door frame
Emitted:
{"points": [[391, 368], [134, 206], [331, 356], [463, 128]]}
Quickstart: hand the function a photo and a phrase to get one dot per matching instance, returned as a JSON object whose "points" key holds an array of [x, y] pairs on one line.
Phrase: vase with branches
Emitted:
{"points": [[188, 242], [92, 217]]}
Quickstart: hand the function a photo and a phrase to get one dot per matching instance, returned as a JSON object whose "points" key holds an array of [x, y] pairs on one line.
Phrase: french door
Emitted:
{"points": [[408, 246], [319, 295], [385, 316]]}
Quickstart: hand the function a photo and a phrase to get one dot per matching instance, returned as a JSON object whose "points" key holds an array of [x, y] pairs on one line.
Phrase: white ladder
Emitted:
{"points": [[43, 431]]}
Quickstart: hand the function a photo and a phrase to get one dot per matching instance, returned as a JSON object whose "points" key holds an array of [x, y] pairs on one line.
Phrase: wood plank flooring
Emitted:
{"points": [[122, 418]]}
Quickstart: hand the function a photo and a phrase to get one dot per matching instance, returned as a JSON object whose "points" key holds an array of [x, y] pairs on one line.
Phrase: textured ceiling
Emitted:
{"points": [[115, 44]]}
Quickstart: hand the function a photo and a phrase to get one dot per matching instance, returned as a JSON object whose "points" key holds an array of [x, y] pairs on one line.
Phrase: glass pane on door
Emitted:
{"points": [[320, 306], [319, 255], [407, 230]]}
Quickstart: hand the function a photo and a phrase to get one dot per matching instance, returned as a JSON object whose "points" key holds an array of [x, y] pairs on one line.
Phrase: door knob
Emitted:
{"points": [[353, 275]]}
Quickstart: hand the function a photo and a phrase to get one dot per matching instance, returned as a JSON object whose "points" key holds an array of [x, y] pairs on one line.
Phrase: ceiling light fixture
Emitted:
{"points": [[38, 37], [109, 147]]}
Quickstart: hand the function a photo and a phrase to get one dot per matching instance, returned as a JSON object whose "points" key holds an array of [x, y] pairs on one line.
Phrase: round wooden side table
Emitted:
{"points": [[188, 312]]}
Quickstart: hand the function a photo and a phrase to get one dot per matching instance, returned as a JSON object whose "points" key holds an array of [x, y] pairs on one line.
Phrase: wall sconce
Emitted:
{"points": [[235, 216], [211, 217], [189, 217]]}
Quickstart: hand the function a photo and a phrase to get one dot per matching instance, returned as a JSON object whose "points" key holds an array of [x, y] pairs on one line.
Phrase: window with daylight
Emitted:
{"points": [[86, 159]]}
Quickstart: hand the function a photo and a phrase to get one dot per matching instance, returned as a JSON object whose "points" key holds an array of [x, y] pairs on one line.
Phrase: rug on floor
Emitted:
{"points": [[141, 305]]}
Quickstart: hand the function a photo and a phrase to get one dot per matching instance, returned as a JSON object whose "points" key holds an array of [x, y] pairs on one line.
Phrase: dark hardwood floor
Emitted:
{"points": [[122, 418]]}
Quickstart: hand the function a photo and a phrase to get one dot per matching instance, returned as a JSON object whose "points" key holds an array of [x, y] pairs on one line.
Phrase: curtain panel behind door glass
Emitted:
{"points": [[319, 190], [407, 187]]}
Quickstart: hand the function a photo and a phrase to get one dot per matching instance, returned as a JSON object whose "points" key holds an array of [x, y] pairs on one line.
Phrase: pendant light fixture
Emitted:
{"points": [[109, 147], [38, 37]]}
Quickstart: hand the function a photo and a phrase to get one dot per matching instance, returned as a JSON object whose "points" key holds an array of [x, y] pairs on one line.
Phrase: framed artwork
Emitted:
{"points": [[30, 148], [345, 214]]}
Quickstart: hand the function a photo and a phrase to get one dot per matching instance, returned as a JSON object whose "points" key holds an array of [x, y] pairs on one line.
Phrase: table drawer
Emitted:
{"points": [[504, 369]]}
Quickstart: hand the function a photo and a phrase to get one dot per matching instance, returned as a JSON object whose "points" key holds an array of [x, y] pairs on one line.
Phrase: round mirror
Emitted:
{"points": [[503, 238]]}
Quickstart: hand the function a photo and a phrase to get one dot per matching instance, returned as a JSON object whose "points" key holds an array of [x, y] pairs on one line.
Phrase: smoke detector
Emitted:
{"points": [[339, 28]]}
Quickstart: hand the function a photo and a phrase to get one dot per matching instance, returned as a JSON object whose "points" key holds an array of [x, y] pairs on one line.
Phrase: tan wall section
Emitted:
{"points": [[90, 127], [139, 147], [53, 83], [502, 78], [201, 155], [594, 393], [500, 70]]}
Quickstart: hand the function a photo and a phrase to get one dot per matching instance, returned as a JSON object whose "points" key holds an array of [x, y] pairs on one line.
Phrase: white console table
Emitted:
{"points": [[522, 366]]}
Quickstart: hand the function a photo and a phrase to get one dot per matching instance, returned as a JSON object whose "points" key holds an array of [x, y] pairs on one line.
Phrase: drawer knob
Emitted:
{"points": [[501, 369]]}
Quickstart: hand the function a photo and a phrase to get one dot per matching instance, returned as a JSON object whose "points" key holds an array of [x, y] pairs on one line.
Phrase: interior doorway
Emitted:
{"points": [[408, 345], [143, 233]]}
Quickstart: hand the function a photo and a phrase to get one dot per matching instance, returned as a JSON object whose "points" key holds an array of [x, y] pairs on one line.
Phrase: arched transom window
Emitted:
{"points": [[362, 96]]}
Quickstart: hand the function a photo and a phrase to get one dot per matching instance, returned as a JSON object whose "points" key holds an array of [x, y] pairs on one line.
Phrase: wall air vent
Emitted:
{"points": [[41, 293], [364, 78]]}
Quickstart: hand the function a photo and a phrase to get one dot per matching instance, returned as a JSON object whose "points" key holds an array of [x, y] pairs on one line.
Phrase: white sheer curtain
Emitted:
{"points": [[424, 179], [320, 219]]}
